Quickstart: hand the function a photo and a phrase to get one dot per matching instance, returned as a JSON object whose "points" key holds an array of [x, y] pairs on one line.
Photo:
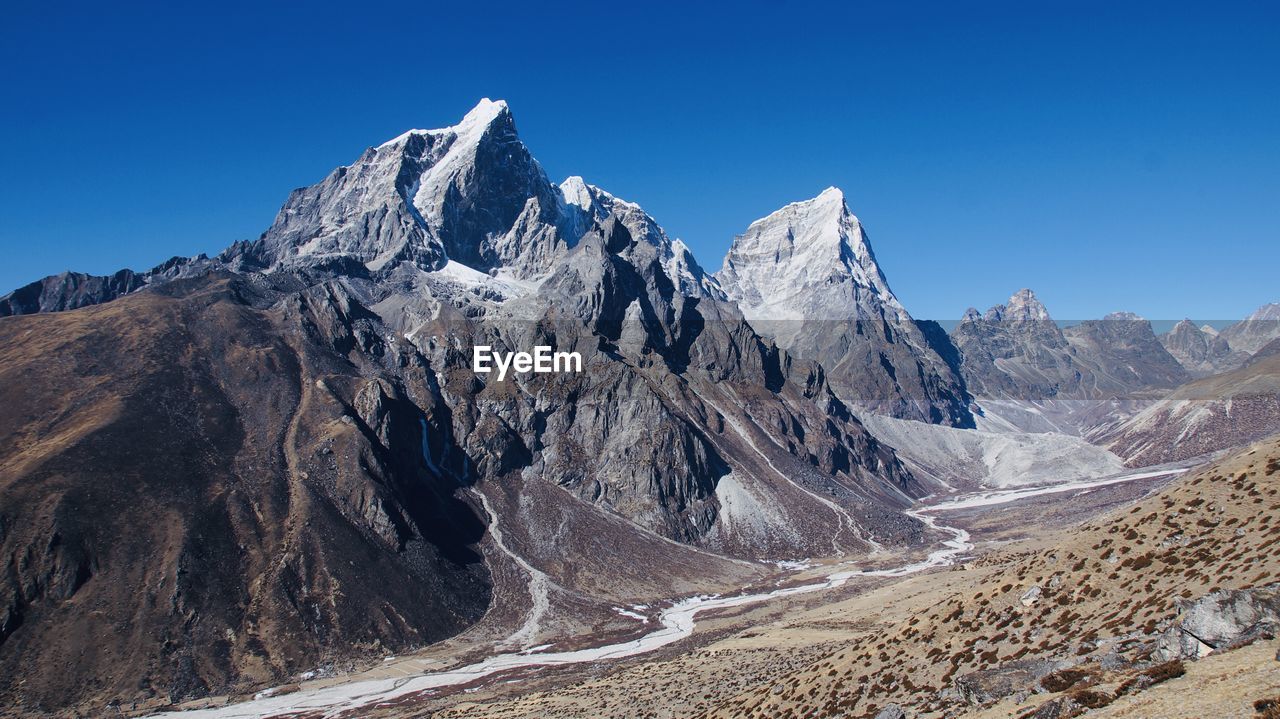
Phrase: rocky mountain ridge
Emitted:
{"points": [[1201, 351], [315, 430], [1017, 351], [352, 416]]}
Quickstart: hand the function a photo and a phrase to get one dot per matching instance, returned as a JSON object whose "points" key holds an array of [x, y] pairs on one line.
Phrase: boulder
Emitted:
{"points": [[1222, 620], [893, 711], [989, 685]]}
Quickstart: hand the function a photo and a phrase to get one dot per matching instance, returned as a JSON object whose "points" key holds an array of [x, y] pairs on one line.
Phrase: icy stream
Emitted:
{"points": [[674, 623]]}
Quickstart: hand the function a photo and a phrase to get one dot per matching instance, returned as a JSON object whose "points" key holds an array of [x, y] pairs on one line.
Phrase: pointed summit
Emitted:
{"points": [[1255, 331], [487, 113], [831, 195], [1025, 306], [808, 260], [470, 192], [806, 276]]}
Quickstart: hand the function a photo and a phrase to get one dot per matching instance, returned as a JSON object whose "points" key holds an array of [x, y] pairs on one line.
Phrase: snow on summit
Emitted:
{"points": [[476, 120], [808, 260]]}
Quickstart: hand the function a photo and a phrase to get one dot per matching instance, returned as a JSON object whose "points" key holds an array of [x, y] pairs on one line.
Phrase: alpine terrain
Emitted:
{"points": [[278, 482]]}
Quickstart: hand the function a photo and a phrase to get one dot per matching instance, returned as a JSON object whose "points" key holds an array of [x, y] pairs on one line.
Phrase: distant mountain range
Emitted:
{"points": [[248, 465]]}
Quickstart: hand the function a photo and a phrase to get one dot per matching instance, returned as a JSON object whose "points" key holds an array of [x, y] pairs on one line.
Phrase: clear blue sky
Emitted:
{"points": [[1108, 155]]}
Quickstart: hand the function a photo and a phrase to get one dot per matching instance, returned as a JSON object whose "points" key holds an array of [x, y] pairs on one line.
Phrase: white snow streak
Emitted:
{"points": [[676, 622]]}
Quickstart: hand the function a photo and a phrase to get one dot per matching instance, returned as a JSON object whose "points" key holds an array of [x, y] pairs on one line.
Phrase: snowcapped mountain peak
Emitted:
{"points": [[576, 192], [806, 277], [480, 118], [831, 194], [810, 260], [1123, 317], [485, 111], [469, 192], [590, 200], [826, 209]]}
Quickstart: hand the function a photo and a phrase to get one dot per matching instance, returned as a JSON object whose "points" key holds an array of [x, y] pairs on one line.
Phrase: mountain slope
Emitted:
{"points": [[1105, 592], [1017, 351], [806, 276], [1028, 374], [1206, 415], [207, 483], [318, 442], [1255, 331]]}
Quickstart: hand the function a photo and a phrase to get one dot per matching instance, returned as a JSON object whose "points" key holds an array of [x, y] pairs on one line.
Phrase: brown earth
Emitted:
{"points": [[1109, 587], [199, 495], [1208, 415]]}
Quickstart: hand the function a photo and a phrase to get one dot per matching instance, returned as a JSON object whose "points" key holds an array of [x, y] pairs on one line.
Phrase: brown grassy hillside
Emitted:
{"points": [[1106, 591]]}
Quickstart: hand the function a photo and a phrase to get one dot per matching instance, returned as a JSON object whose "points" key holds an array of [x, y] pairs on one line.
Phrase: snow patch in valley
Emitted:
{"points": [[502, 283], [977, 458], [630, 614]]}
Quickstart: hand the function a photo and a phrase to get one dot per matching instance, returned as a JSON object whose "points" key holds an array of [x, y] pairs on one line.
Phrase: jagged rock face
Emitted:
{"points": [[1222, 620], [1121, 354], [1199, 352], [1016, 351], [806, 276], [587, 206], [1254, 332], [682, 393], [471, 193], [71, 290], [319, 448]]}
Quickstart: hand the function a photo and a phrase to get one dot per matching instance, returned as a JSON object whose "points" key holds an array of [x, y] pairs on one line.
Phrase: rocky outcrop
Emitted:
{"points": [[1018, 352], [989, 685], [1199, 352], [1222, 620], [1059, 708], [893, 711]]}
